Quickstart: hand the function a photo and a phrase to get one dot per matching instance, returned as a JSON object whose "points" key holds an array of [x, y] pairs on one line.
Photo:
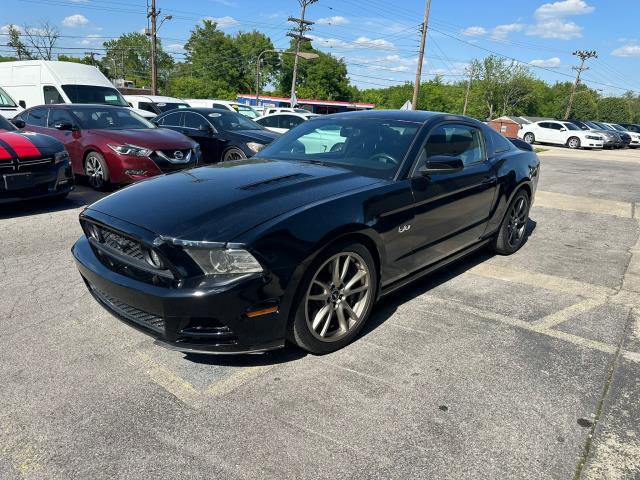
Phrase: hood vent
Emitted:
{"points": [[275, 181]]}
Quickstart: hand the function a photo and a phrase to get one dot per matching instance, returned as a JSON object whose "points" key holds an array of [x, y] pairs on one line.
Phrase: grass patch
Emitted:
{"points": [[539, 149]]}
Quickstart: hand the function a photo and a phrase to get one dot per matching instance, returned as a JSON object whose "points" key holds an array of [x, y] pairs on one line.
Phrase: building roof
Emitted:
{"points": [[521, 120], [309, 101]]}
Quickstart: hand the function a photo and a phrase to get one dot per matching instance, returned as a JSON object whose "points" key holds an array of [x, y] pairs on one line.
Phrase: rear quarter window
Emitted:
{"points": [[497, 143]]}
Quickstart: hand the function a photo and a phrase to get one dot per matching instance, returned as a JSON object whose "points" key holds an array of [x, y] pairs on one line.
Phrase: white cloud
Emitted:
{"points": [[553, 62], [330, 42], [175, 46], [630, 50], [5, 28], [91, 39], [501, 32], [474, 31], [557, 29], [563, 8], [337, 20], [223, 21], [377, 43], [76, 20]]}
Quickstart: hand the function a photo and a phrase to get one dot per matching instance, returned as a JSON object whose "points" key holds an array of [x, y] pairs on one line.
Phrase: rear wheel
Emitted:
{"points": [[96, 171], [529, 138], [573, 142], [233, 154], [337, 296], [513, 228]]}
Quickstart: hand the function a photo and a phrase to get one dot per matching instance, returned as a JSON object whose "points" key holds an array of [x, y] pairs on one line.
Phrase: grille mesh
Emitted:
{"points": [[124, 245], [130, 313]]}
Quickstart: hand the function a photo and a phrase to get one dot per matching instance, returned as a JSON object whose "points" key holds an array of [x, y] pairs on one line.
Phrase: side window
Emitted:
{"points": [[193, 120], [57, 115], [556, 126], [498, 142], [51, 95], [37, 117], [460, 141], [217, 105], [171, 120], [289, 121], [544, 125], [268, 122], [146, 106]]}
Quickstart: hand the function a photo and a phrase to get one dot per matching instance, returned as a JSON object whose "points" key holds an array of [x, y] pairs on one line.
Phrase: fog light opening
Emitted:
{"points": [[135, 172]]}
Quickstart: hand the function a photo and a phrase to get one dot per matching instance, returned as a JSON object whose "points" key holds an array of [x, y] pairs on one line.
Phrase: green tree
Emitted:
{"points": [[250, 45], [183, 86], [129, 56], [614, 109], [16, 43]]}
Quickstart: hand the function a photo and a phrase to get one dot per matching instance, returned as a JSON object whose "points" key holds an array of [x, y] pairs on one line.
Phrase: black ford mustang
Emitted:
{"points": [[298, 242], [32, 165]]}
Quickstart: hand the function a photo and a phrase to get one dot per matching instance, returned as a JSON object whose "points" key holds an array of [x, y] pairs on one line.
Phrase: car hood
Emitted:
{"points": [[23, 144], [260, 136], [154, 138], [219, 202]]}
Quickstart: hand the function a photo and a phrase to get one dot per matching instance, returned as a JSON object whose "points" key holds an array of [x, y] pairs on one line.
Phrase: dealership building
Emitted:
{"points": [[315, 106]]}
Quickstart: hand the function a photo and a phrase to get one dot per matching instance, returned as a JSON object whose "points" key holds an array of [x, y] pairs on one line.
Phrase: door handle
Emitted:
{"points": [[488, 180]]}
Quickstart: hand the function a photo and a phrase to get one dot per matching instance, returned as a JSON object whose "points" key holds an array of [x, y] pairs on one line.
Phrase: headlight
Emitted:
{"points": [[593, 137], [61, 156], [255, 146], [220, 261], [133, 150]]}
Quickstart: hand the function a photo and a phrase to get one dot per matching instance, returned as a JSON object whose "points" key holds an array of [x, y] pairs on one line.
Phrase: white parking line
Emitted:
{"points": [[565, 314]]}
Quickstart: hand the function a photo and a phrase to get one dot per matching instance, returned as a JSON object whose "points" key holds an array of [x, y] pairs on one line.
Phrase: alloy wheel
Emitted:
{"points": [[94, 171], [234, 155], [574, 143], [518, 216], [338, 296], [529, 138]]}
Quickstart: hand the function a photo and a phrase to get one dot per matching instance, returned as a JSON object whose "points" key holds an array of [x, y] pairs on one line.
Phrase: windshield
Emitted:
{"points": [[225, 121], [6, 124], [244, 110], [371, 147], [5, 99], [620, 128], [570, 126], [94, 94], [603, 126], [593, 125], [110, 119], [165, 107]]}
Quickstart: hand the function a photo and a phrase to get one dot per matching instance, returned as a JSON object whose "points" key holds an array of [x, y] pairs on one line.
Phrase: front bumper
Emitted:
{"points": [[43, 182], [201, 320]]}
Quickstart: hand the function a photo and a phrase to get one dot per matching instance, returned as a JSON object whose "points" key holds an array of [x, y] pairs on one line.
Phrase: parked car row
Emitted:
{"points": [[581, 134]]}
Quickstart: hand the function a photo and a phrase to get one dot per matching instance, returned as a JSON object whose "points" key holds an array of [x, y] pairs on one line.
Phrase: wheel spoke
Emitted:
{"points": [[362, 288], [345, 268], [320, 316], [342, 321], [335, 271], [350, 312], [320, 296], [323, 332], [355, 279]]}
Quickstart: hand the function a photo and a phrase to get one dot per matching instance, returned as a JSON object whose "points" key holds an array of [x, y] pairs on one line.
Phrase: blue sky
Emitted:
{"points": [[379, 38]]}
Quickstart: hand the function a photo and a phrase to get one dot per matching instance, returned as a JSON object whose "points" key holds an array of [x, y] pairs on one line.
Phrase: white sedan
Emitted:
{"points": [[284, 121], [560, 133]]}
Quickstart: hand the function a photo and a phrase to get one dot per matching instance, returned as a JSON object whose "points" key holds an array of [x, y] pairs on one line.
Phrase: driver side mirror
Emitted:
{"points": [[205, 128], [437, 164], [563, 129], [22, 103], [18, 122]]}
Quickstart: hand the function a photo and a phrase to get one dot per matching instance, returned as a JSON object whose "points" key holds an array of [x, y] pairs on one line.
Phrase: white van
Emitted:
{"points": [[41, 82], [240, 108], [9, 108], [155, 104]]}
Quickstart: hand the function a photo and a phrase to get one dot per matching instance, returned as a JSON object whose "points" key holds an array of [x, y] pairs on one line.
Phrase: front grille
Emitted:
{"points": [[124, 245], [130, 313], [168, 161], [25, 165]]}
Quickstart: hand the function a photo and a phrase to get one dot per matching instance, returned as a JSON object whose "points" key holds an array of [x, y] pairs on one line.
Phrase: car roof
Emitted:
{"points": [[407, 115], [156, 98], [201, 110], [78, 105]]}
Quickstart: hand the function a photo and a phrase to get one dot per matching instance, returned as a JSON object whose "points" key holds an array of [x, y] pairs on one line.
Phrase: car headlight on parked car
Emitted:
{"points": [[61, 156], [594, 137], [222, 261], [255, 146], [132, 150]]}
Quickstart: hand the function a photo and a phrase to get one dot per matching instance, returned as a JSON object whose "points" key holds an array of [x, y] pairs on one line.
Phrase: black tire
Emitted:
{"points": [[573, 143], [529, 137], [513, 229], [233, 154], [300, 328], [96, 171]]}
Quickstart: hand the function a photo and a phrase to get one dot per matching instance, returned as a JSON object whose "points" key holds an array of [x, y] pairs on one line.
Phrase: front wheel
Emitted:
{"points": [[529, 138], [233, 154], [96, 171], [573, 143], [337, 295], [513, 228]]}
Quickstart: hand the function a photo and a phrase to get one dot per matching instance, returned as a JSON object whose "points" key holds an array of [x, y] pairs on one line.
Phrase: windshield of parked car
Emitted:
{"points": [[228, 120], [603, 126], [620, 128], [165, 107], [593, 125], [5, 99], [97, 118], [570, 126], [6, 124], [94, 94], [372, 147]]}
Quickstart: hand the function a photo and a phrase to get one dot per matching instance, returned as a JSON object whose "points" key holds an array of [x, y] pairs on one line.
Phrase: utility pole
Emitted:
{"points": [[153, 14], [466, 97], [584, 55], [93, 57], [423, 40], [298, 34]]}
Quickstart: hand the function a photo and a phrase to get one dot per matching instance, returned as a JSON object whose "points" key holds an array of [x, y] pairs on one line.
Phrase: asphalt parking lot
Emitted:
{"points": [[525, 366]]}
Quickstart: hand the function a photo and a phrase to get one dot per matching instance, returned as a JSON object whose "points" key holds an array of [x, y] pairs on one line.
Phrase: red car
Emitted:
{"points": [[110, 144]]}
